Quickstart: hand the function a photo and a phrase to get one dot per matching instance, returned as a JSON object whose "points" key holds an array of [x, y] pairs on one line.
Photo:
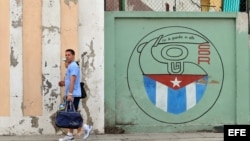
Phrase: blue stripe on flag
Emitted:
{"points": [[150, 86], [177, 100]]}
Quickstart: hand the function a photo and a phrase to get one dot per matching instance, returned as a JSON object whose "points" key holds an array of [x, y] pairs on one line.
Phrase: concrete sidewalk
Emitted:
{"points": [[197, 136]]}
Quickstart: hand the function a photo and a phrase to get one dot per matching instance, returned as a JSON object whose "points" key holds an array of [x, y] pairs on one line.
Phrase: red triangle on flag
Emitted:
{"points": [[175, 81]]}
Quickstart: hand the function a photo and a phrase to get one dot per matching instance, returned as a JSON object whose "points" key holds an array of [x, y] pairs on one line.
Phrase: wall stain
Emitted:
{"points": [[34, 121], [214, 82], [40, 130], [83, 70], [52, 118], [13, 60], [89, 119], [49, 41], [22, 108], [87, 63]]}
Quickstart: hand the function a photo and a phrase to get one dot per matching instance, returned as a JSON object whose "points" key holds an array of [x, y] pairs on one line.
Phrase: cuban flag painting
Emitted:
{"points": [[175, 93]]}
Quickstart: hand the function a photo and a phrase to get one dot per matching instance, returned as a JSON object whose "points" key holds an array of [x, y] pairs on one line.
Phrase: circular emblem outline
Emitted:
{"points": [[132, 81]]}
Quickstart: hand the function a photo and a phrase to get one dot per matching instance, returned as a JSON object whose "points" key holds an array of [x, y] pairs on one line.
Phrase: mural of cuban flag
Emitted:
{"points": [[174, 93], [174, 81]]}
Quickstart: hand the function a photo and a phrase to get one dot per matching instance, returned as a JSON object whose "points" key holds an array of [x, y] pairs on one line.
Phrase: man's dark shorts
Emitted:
{"points": [[76, 102]]}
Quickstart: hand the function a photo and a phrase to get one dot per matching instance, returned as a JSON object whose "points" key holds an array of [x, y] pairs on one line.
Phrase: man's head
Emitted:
{"points": [[69, 55]]}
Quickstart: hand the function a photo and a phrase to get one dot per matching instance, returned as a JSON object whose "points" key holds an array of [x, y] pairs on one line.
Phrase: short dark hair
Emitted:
{"points": [[71, 51]]}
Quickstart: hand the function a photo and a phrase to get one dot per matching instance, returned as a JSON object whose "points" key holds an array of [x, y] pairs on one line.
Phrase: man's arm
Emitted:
{"points": [[71, 87]]}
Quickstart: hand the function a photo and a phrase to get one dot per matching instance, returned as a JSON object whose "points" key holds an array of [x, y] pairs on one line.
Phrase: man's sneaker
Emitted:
{"points": [[67, 138], [87, 130]]}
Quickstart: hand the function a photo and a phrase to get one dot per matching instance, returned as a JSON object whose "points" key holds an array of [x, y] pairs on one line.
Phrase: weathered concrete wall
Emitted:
{"points": [[34, 36]]}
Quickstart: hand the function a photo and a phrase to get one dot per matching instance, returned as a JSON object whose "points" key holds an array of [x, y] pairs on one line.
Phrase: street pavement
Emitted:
{"points": [[194, 136]]}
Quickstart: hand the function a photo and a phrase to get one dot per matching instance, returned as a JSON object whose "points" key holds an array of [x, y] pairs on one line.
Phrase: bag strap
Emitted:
{"points": [[70, 106]]}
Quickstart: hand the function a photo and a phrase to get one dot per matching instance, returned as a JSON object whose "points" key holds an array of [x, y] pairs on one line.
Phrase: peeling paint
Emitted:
{"points": [[46, 85], [87, 61], [67, 2], [54, 94], [45, 64], [49, 107], [16, 14], [18, 2], [51, 29], [83, 64], [21, 122], [242, 22], [83, 54], [34, 122], [92, 54], [17, 23], [53, 98], [55, 66], [51, 3], [43, 78], [13, 61]]}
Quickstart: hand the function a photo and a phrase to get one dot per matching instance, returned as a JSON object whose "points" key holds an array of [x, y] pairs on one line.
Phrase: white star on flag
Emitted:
{"points": [[176, 82]]}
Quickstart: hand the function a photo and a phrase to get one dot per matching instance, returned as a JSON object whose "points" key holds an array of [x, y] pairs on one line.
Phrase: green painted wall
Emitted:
{"points": [[174, 72]]}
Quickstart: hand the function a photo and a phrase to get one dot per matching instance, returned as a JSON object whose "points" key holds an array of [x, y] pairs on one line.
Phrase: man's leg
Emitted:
{"points": [[76, 104]]}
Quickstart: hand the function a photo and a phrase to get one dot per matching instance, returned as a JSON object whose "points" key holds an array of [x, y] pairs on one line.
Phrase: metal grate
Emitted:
{"points": [[176, 5]]}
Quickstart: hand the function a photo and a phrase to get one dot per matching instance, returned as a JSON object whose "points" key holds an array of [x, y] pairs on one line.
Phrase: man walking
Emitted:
{"points": [[72, 90], [72, 87]]}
